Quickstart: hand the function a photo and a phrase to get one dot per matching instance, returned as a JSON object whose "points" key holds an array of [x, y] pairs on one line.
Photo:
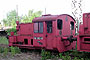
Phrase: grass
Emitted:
{"points": [[3, 40]]}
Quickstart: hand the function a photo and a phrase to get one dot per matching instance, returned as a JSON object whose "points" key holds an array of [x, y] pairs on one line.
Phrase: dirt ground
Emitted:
{"points": [[30, 55], [3, 45], [22, 56]]}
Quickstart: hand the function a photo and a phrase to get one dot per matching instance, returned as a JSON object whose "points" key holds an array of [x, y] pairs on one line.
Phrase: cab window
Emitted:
{"points": [[59, 24], [49, 26], [35, 27], [38, 27], [71, 25]]}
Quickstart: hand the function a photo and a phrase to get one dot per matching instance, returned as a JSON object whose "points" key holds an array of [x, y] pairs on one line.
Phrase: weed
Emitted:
{"points": [[1, 49], [63, 57], [3, 40], [17, 50], [12, 51], [5, 51], [66, 53], [75, 58], [60, 55], [43, 54], [82, 59], [48, 55], [68, 57]]}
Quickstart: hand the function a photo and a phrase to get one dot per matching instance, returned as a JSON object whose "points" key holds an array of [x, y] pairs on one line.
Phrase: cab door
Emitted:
{"points": [[49, 34]]}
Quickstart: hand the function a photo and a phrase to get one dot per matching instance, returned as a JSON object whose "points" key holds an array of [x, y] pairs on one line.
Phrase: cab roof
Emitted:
{"points": [[49, 17]]}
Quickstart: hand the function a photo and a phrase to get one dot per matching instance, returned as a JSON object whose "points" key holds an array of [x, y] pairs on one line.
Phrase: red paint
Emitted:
{"points": [[49, 37], [83, 40], [12, 33]]}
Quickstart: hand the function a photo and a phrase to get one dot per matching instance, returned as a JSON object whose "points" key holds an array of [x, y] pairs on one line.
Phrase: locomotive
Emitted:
{"points": [[51, 32], [83, 39]]}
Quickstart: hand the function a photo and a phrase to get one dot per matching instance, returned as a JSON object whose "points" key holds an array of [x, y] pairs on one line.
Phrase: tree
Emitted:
{"points": [[4, 22], [10, 20], [31, 15], [12, 17]]}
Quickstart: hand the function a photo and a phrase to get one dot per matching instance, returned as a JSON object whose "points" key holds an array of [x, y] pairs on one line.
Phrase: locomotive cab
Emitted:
{"points": [[53, 32]]}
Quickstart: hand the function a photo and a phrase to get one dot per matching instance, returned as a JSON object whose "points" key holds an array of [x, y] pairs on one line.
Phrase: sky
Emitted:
{"points": [[53, 7]]}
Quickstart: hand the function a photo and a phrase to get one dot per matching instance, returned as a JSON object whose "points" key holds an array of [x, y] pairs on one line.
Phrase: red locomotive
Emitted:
{"points": [[51, 32], [83, 39]]}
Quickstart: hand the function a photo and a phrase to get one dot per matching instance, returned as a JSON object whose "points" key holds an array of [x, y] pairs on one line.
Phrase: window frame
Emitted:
{"points": [[38, 28]]}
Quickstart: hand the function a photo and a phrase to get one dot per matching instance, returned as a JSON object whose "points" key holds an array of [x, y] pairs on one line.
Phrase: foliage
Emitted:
{"points": [[1, 49], [47, 55], [10, 20], [12, 17], [17, 50], [5, 51], [31, 15], [66, 57], [11, 30], [14, 50], [43, 54], [60, 55], [3, 40], [75, 58], [67, 53], [82, 59], [5, 22]]}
